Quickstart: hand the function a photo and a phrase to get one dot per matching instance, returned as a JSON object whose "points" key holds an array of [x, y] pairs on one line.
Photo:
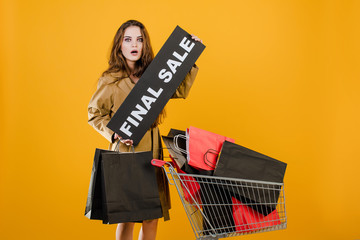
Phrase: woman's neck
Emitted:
{"points": [[131, 66], [134, 78]]}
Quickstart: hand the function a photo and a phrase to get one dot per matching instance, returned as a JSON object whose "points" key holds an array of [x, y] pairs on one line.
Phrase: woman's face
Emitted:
{"points": [[132, 44]]}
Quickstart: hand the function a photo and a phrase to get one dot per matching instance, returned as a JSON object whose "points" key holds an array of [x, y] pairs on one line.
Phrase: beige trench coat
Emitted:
{"points": [[111, 91]]}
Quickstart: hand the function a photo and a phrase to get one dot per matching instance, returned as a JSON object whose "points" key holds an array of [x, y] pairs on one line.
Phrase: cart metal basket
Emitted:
{"points": [[219, 207]]}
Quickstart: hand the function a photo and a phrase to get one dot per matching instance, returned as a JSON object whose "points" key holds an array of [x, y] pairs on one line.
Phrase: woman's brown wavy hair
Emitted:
{"points": [[117, 61]]}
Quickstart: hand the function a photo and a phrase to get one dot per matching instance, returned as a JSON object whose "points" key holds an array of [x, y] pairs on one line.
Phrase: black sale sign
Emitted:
{"points": [[156, 86]]}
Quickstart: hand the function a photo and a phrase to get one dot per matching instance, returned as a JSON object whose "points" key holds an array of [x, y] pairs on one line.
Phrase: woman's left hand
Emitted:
{"points": [[196, 38], [127, 142]]}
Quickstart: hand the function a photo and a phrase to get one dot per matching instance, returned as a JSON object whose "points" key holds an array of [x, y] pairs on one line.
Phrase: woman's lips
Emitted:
{"points": [[134, 52]]}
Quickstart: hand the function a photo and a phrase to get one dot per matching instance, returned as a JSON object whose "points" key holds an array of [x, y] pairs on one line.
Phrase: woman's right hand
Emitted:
{"points": [[127, 142]]}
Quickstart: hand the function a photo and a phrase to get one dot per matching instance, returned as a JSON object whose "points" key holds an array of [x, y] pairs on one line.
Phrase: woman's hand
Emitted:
{"points": [[196, 38], [127, 142]]}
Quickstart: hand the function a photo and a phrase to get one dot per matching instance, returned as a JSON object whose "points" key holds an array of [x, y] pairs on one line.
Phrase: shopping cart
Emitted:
{"points": [[219, 207]]}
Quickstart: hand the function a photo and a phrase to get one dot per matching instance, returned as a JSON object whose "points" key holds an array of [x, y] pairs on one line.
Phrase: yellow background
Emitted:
{"points": [[281, 77]]}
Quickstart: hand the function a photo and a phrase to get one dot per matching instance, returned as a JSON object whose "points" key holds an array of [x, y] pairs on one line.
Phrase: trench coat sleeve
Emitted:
{"points": [[99, 108], [183, 90]]}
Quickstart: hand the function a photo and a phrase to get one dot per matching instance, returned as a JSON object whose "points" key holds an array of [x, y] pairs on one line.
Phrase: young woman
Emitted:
{"points": [[131, 54]]}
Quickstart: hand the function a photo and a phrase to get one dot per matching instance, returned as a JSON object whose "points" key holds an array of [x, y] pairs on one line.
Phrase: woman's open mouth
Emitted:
{"points": [[134, 52]]}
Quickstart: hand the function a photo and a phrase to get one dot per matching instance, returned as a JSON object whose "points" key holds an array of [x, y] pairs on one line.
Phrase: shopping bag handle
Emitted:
{"points": [[207, 161], [117, 147], [176, 145]]}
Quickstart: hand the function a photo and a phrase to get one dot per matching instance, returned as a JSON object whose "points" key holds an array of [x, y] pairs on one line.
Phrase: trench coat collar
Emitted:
{"points": [[122, 76]]}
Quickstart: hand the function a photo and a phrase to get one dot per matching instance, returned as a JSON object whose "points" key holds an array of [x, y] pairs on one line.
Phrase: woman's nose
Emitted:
{"points": [[134, 43]]}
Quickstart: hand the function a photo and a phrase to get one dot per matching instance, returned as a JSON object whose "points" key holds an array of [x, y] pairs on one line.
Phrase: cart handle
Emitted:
{"points": [[158, 163]]}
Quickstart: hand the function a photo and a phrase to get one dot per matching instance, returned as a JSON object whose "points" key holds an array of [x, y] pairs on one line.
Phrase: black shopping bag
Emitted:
{"points": [[236, 161], [216, 206], [123, 188], [130, 190], [93, 209]]}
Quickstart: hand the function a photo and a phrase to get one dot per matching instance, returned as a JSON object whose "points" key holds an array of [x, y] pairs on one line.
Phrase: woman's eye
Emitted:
{"points": [[140, 40], [127, 39]]}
